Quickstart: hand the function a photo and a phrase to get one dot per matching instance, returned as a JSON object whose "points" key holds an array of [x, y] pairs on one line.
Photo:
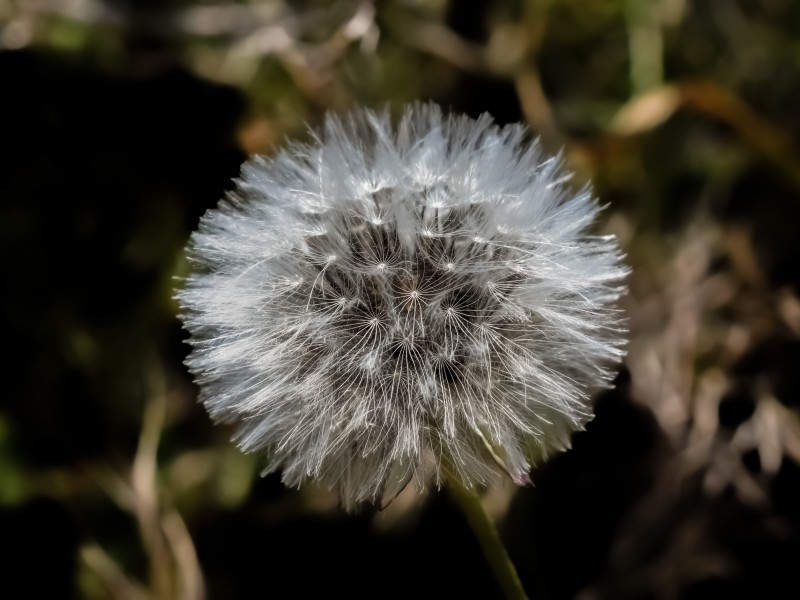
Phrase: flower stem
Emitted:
{"points": [[486, 532]]}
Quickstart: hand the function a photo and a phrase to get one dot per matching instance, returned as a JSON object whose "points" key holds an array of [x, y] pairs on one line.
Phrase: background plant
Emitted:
{"points": [[124, 122]]}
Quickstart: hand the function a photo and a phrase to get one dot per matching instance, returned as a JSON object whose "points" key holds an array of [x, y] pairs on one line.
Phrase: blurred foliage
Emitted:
{"points": [[124, 121]]}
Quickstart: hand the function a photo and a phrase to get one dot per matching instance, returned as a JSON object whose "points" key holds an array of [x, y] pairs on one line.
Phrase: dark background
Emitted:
{"points": [[123, 122]]}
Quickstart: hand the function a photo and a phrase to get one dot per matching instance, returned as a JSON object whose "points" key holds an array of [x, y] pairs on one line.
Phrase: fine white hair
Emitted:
{"points": [[394, 302]]}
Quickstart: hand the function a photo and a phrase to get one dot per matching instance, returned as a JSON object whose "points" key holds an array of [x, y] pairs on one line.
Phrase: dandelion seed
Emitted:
{"points": [[390, 303]]}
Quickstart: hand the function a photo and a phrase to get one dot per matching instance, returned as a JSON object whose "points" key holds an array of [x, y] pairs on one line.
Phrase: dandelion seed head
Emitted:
{"points": [[389, 303]]}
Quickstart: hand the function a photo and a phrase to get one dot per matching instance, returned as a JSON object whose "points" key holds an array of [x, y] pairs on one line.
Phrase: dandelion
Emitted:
{"points": [[389, 303]]}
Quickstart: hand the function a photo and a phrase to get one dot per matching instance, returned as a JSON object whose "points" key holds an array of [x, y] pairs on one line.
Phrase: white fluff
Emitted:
{"points": [[397, 302]]}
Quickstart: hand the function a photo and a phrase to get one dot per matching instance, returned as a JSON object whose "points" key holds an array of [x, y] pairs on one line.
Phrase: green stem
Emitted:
{"points": [[483, 528]]}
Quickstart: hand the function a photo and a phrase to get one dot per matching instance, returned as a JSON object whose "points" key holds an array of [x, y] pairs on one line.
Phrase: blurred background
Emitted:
{"points": [[123, 121]]}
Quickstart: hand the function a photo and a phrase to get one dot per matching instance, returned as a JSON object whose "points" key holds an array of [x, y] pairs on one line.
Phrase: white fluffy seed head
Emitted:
{"points": [[389, 303]]}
